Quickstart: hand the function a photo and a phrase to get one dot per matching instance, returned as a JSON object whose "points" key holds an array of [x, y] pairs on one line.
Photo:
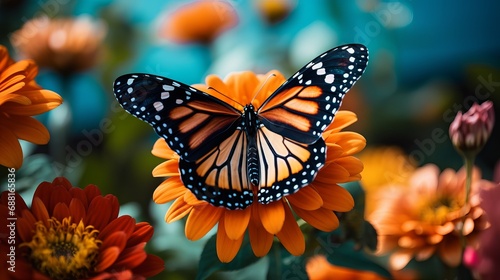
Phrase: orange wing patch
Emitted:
{"points": [[225, 165], [281, 97], [280, 115], [279, 157]]}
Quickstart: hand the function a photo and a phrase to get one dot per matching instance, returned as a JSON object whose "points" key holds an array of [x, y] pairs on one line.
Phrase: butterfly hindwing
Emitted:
{"points": [[220, 176], [306, 103], [286, 165], [190, 120]]}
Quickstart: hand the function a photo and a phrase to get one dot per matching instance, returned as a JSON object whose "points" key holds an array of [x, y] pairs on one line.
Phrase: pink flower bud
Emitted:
{"points": [[470, 257], [471, 130]]}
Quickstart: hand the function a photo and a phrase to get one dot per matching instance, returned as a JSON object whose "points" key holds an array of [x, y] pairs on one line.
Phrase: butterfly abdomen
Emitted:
{"points": [[250, 127], [253, 170]]}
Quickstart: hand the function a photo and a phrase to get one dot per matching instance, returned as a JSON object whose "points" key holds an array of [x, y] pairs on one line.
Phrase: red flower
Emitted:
{"points": [[73, 233]]}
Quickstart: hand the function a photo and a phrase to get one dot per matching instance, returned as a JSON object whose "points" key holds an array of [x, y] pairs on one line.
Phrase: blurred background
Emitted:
{"points": [[428, 60]]}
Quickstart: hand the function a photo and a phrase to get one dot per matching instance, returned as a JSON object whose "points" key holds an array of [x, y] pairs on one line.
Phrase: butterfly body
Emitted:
{"points": [[231, 155]]}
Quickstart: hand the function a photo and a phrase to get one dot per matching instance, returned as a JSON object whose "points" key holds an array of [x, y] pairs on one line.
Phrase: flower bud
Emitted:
{"points": [[470, 131]]}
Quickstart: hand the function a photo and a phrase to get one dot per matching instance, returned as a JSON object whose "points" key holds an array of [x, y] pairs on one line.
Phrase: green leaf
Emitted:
{"points": [[209, 262], [347, 255], [283, 265]]}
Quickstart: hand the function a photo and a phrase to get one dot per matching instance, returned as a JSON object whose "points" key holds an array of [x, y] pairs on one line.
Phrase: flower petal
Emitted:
{"points": [[106, 258], [322, 219], [98, 214], [162, 150], [353, 165], [117, 239], [177, 210], [151, 266], [77, 210], [343, 119], [272, 216], [142, 233], [335, 197], [125, 224], [40, 211], [168, 190], [131, 256], [166, 169], [201, 220], [306, 198], [10, 149], [236, 222], [227, 248], [29, 129], [290, 235], [61, 211], [351, 142], [260, 239]]}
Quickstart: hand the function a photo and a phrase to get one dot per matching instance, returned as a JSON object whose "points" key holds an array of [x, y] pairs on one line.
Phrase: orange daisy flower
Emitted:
{"points": [[66, 45], [318, 268], [20, 99], [73, 233], [199, 22], [428, 216], [314, 203]]}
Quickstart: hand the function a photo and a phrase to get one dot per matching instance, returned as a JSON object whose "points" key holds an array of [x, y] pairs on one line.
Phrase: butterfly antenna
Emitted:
{"points": [[263, 84], [227, 96]]}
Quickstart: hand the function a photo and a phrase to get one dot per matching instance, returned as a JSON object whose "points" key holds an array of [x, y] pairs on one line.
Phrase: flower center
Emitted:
{"points": [[64, 250], [436, 211]]}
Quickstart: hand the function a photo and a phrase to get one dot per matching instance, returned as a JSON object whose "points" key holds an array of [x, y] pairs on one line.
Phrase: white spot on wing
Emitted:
{"points": [[329, 78], [158, 106]]}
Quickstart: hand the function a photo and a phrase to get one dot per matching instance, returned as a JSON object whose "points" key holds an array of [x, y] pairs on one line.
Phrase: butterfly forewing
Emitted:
{"points": [[191, 121], [306, 103]]}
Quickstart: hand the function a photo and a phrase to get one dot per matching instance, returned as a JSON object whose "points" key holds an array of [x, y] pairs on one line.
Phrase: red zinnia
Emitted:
{"points": [[73, 233]]}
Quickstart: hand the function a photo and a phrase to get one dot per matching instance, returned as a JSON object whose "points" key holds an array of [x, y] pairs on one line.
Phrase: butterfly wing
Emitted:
{"points": [[205, 131], [220, 176], [303, 107], [291, 148], [286, 165], [191, 121]]}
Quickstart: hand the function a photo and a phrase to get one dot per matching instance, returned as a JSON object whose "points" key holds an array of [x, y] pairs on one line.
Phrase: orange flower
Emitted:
{"points": [[73, 233], [20, 99], [274, 11], [426, 216], [314, 203], [383, 166], [200, 22], [318, 268], [65, 45]]}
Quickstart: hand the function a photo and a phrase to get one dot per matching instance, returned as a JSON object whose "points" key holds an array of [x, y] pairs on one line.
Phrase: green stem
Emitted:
{"points": [[469, 164]]}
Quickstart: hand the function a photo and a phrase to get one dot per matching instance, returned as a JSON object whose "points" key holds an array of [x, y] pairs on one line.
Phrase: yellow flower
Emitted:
{"points": [[427, 216], [20, 99], [313, 203], [66, 45]]}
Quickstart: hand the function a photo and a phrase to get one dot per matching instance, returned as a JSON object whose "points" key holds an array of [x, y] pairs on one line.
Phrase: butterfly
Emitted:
{"points": [[231, 155]]}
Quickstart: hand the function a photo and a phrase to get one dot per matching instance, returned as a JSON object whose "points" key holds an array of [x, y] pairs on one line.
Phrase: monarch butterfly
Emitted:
{"points": [[229, 155]]}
